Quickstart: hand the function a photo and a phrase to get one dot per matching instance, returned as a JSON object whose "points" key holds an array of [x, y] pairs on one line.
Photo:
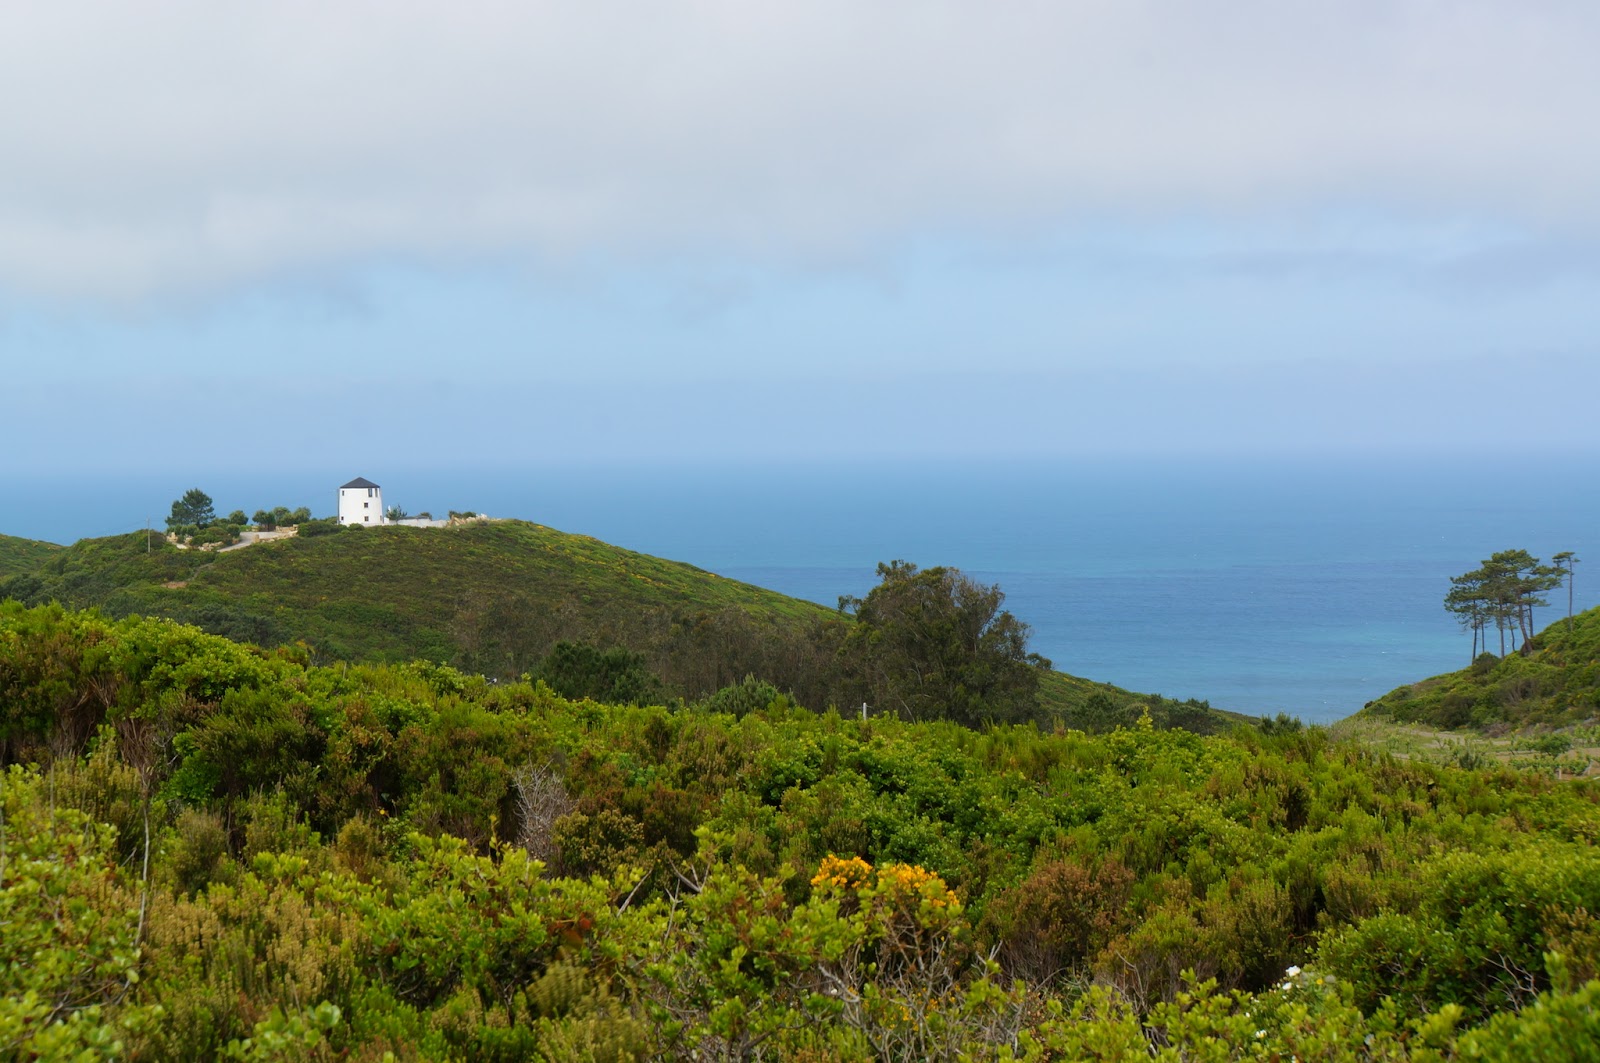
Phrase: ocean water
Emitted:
{"points": [[1307, 587]]}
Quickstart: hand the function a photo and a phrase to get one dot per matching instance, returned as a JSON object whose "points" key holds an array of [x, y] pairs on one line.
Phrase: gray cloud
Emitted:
{"points": [[187, 145]]}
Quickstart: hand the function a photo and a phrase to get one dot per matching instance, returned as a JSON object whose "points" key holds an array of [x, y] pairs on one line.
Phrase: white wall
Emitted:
{"points": [[361, 505]]}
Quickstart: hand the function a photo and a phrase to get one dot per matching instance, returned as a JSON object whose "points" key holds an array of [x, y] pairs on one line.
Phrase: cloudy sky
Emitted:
{"points": [[732, 231]]}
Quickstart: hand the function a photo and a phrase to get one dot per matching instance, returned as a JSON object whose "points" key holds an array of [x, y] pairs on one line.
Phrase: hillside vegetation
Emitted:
{"points": [[22, 555], [1553, 682], [494, 599], [490, 598], [223, 852]]}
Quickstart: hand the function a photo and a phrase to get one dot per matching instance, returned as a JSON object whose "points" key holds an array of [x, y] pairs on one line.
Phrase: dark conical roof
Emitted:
{"points": [[359, 481]]}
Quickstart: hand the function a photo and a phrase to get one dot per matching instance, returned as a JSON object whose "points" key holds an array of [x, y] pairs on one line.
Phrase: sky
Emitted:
{"points": [[484, 234]]}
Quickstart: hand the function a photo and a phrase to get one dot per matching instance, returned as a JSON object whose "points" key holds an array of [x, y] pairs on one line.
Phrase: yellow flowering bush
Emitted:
{"points": [[847, 875]]}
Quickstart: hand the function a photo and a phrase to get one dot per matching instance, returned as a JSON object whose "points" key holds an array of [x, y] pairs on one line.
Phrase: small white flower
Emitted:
{"points": [[1293, 972], [1260, 1034]]}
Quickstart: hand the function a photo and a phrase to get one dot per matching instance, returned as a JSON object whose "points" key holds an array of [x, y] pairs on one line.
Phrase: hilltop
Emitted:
{"points": [[22, 555], [1554, 683], [493, 598]]}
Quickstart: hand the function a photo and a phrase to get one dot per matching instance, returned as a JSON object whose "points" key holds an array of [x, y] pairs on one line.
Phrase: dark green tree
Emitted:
{"points": [[1504, 591], [1525, 581], [1468, 600], [1566, 559], [578, 670], [1100, 712], [194, 508], [934, 644], [280, 517]]}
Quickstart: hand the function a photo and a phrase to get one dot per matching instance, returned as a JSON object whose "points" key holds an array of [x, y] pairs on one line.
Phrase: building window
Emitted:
{"points": [[364, 505], [366, 518]]}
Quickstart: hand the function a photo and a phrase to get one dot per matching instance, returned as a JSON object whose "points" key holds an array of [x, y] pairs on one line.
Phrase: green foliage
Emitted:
{"points": [[1556, 1027], [1283, 723], [495, 598], [489, 597], [20, 556], [194, 509], [101, 572], [1104, 712], [934, 644], [280, 517], [1554, 683], [577, 670], [1504, 593], [310, 529], [1551, 745], [350, 861], [217, 534], [69, 952], [743, 698], [1478, 935]]}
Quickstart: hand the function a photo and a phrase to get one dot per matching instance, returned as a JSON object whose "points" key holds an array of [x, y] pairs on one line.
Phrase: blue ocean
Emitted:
{"points": [[1307, 587]]}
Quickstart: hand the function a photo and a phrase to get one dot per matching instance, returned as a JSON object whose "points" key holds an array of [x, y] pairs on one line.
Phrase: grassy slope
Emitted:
{"points": [[423, 587], [393, 594], [1578, 756], [390, 593], [1556, 684], [22, 555], [1060, 695]]}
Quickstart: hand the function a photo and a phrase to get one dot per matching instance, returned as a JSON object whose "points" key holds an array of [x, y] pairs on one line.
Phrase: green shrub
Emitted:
{"points": [[577, 670], [68, 954], [1481, 934], [1551, 745], [193, 853], [741, 699], [326, 526], [597, 844]]}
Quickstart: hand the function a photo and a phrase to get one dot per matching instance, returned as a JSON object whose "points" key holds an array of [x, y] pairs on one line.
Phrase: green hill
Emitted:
{"points": [[490, 597], [22, 555], [493, 598], [1555, 683]]}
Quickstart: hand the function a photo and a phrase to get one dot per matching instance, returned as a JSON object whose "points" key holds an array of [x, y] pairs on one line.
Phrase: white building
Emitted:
{"points": [[360, 502]]}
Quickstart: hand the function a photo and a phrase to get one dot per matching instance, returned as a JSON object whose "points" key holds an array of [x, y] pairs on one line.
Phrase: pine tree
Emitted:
{"points": [[193, 509], [1567, 559]]}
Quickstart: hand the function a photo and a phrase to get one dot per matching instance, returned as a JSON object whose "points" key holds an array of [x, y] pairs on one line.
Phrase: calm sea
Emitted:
{"points": [[1302, 587]]}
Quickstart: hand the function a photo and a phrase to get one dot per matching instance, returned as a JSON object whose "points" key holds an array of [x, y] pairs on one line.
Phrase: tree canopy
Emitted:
{"points": [[1502, 593], [194, 509], [934, 644], [280, 517], [578, 670]]}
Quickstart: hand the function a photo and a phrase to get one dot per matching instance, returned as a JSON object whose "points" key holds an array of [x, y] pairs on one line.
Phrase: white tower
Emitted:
{"points": [[361, 502]]}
